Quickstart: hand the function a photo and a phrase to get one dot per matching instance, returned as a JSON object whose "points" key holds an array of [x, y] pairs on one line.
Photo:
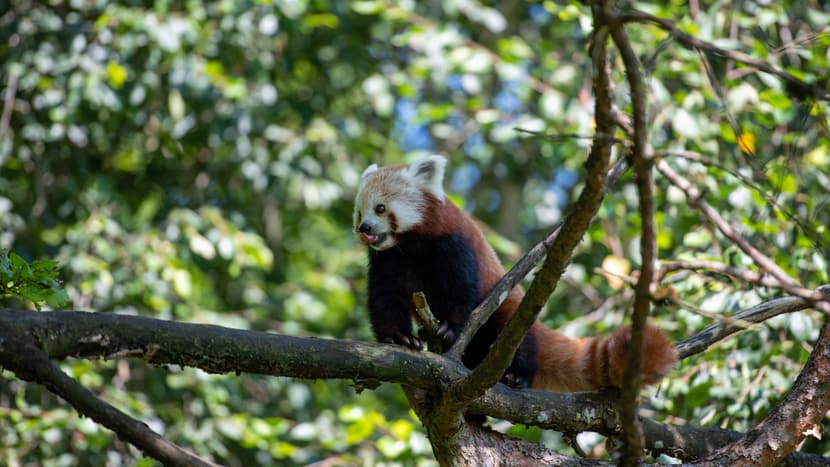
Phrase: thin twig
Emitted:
{"points": [[756, 314], [699, 158], [720, 92], [563, 136], [738, 323], [695, 198], [744, 274], [803, 89], [423, 315], [8, 104]]}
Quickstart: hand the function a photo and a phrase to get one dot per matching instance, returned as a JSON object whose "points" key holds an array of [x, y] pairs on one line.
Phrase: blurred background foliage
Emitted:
{"points": [[196, 161]]}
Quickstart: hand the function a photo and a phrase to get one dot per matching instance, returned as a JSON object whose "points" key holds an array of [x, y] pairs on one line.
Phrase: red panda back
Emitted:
{"points": [[443, 217], [564, 363]]}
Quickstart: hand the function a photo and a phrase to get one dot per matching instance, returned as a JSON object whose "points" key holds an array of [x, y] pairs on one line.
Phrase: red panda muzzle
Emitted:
{"points": [[367, 238]]}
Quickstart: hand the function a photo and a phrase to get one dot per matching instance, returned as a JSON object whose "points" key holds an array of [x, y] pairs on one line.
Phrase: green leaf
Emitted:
{"points": [[36, 282], [20, 268], [116, 74], [6, 273], [57, 299]]}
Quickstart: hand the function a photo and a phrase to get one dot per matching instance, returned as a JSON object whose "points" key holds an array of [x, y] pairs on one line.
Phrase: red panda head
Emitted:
{"points": [[391, 200]]}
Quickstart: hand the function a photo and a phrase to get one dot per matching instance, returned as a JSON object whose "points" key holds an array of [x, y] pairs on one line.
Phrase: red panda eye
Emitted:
{"points": [[380, 208]]}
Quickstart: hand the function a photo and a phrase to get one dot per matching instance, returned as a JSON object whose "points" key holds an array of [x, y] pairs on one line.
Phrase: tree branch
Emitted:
{"points": [[222, 350], [8, 104], [756, 314], [695, 198], [697, 157], [801, 88], [686, 442], [30, 363], [790, 421], [632, 431], [747, 275], [517, 273], [217, 349]]}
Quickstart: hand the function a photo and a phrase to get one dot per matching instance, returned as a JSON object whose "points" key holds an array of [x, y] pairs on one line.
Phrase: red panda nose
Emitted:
{"points": [[365, 228]]}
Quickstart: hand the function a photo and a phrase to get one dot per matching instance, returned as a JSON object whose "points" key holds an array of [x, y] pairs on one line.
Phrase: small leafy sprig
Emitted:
{"points": [[37, 282]]}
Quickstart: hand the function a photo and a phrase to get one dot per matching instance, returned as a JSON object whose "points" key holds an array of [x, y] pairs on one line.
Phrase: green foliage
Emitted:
{"points": [[196, 161], [36, 282]]}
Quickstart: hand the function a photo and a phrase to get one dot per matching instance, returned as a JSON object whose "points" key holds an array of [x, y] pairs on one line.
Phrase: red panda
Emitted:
{"points": [[420, 241]]}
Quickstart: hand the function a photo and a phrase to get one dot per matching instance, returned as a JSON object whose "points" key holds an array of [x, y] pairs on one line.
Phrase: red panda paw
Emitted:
{"points": [[446, 334], [406, 340], [515, 380]]}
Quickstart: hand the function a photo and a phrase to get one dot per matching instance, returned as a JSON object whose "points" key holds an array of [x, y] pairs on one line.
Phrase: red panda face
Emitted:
{"points": [[391, 200]]}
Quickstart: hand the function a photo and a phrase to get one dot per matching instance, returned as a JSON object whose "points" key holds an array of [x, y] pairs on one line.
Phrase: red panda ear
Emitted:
{"points": [[369, 171], [428, 172]]}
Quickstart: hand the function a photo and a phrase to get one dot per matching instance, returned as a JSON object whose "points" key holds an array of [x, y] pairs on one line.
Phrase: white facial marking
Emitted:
{"points": [[402, 194]]}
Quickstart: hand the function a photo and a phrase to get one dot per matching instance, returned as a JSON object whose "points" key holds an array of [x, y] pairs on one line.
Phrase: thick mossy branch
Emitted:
{"points": [[223, 350], [218, 349], [19, 354]]}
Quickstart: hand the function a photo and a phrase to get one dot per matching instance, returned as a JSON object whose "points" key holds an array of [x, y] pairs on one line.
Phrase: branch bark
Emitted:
{"points": [[20, 355], [632, 431], [756, 314], [686, 442], [790, 421], [222, 350], [218, 349]]}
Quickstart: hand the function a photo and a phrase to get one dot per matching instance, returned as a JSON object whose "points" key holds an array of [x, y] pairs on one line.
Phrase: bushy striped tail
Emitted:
{"points": [[588, 364]]}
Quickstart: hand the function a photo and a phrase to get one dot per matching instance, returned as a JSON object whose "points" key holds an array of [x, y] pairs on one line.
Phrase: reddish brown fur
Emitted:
{"points": [[443, 218], [393, 222], [565, 363]]}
